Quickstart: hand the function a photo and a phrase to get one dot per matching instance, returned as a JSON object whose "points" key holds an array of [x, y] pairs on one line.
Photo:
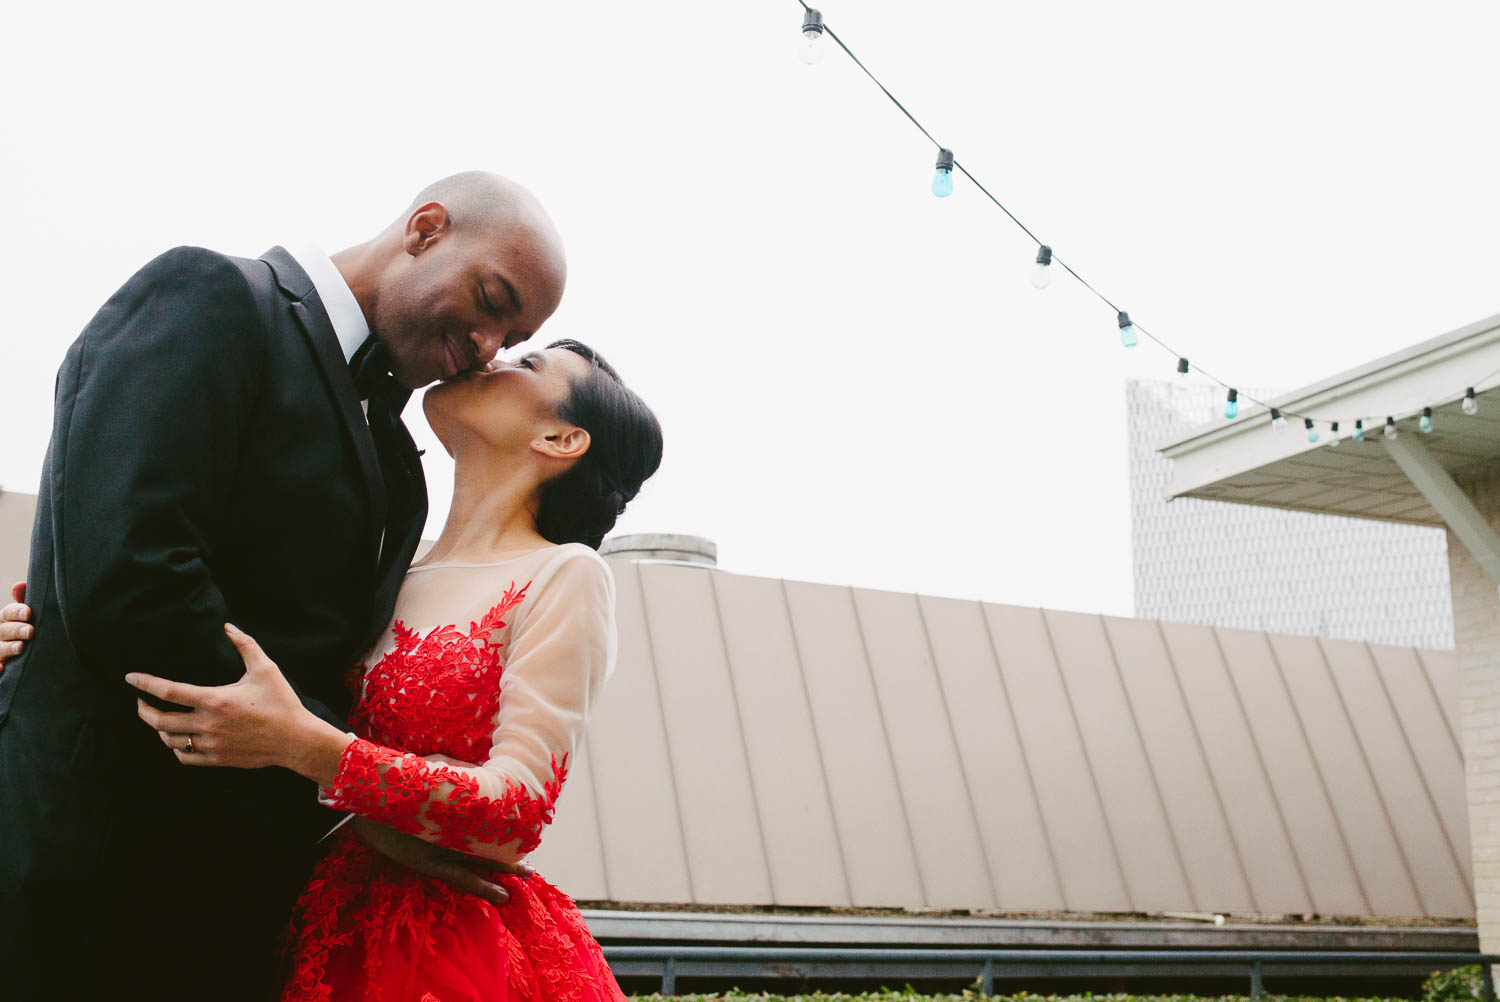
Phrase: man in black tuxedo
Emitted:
{"points": [[226, 446]]}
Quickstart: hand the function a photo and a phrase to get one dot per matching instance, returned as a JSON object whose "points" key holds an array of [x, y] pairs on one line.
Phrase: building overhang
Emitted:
{"points": [[1247, 461]]}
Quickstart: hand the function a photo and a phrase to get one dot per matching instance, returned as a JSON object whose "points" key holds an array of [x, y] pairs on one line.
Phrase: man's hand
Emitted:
{"points": [[15, 627], [463, 873]]}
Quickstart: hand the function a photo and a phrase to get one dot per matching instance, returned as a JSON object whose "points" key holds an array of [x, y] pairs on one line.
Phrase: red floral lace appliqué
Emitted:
{"points": [[360, 914], [441, 803]]}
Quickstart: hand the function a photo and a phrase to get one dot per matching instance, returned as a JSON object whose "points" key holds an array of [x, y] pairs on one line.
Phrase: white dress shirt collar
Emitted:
{"points": [[348, 319]]}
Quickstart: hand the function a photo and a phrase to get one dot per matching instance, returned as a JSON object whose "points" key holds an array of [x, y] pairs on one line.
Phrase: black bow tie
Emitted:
{"points": [[371, 368]]}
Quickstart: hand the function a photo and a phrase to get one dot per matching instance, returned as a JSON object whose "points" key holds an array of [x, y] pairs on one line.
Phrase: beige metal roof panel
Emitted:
{"points": [[1175, 747], [802, 845], [1086, 855], [1304, 810], [1441, 668], [1276, 881], [873, 827], [1383, 871], [1152, 869], [1429, 855], [934, 790], [639, 822], [572, 843], [720, 822], [16, 513], [1014, 835]]}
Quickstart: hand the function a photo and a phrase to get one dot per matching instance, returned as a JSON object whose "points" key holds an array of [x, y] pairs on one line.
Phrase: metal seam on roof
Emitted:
{"points": [[1150, 767], [984, 857], [1317, 767], [1213, 780], [1374, 781], [1260, 760], [1088, 762]]}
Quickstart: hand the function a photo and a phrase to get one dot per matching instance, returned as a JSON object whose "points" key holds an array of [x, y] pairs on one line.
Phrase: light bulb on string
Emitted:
{"points": [[1312, 432], [1182, 367], [811, 49], [1232, 405], [1127, 331], [1426, 423], [1359, 430], [1390, 427], [1333, 435], [942, 181], [1041, 275], [1471, 405], [1277, 421]]}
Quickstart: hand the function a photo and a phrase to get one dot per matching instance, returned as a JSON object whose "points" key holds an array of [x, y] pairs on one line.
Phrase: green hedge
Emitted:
{"points": [[1460, 985]]}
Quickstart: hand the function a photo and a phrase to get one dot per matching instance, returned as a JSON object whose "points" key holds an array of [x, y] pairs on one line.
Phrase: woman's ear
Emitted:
{"points": [[568, 442]]}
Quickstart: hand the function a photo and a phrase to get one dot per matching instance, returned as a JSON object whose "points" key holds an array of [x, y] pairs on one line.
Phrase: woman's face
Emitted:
{"points": [[508, 405]]}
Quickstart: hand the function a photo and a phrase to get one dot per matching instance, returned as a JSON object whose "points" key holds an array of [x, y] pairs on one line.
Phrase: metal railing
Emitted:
{"points": [[672, 962]]}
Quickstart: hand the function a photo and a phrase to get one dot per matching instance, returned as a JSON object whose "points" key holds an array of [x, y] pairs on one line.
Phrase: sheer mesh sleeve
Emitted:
{"points": [[561, 649]]}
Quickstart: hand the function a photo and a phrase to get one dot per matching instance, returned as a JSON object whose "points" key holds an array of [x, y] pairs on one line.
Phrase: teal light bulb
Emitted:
{"points": [[1359, 431], [942, 181], [1127, 331], [1312, 432], [1426, 423], [1232, 410]]}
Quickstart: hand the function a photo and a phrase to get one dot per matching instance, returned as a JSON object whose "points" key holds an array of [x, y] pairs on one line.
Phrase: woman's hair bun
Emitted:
{"points": [[625, 448]]}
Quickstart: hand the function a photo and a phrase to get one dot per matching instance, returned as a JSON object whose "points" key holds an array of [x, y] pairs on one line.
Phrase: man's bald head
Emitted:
{"points": [[475, 265]]}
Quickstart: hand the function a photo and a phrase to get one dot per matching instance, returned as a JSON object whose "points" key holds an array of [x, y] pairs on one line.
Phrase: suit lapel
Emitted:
{"points": [[312, 317], [408, 516]]}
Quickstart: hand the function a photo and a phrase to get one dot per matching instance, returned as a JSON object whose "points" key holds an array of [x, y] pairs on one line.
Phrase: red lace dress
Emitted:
{"points": [[464, 738]]}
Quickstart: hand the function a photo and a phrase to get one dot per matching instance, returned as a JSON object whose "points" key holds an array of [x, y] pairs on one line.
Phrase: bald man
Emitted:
{"points": [[227, 447]]}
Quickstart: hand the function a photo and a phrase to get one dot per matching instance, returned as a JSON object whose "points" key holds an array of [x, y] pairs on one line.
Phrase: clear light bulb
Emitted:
{"points": [[1232, 405], [942, 181], [1333, 435], [1426, 423], [1390, 427], [811, 49], [1312, 432], [1471, 405], [1359, 431], [1277, 421], [1127, 331], [1041, 275]]}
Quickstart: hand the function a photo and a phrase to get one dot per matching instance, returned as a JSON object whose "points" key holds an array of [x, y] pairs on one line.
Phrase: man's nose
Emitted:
{"points": [[486, 347]]}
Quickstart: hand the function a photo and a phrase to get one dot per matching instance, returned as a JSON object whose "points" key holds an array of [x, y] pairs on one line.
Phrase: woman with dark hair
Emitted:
{"points": [[460, 736]]}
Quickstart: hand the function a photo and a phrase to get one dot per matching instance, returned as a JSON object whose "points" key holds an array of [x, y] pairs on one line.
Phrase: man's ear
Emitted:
{"points": [[567, 442], [427, 224]]}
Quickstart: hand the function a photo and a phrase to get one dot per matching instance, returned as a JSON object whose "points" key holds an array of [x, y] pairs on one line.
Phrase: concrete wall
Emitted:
{"points": [[1476, 632]]}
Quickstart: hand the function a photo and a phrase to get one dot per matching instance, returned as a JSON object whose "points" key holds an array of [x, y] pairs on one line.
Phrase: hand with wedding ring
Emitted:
{"points": [[255, 722]]}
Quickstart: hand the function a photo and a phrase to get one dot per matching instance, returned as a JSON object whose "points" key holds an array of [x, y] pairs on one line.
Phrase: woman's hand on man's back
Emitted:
{"points": [[15, 625]]}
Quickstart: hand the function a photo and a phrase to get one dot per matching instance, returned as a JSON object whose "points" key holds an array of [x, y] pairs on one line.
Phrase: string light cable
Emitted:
{"points": [[815, 28]]}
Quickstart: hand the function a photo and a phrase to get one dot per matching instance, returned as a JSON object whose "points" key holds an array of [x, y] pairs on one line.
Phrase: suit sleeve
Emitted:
{"points": [[153, 402]]}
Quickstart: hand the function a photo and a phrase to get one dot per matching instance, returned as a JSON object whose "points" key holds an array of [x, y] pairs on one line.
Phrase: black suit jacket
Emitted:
{"points": [[209, 462]]}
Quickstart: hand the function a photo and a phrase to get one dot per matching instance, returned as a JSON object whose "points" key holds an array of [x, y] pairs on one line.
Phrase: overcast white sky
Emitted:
{"points": [[856, 380]]}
